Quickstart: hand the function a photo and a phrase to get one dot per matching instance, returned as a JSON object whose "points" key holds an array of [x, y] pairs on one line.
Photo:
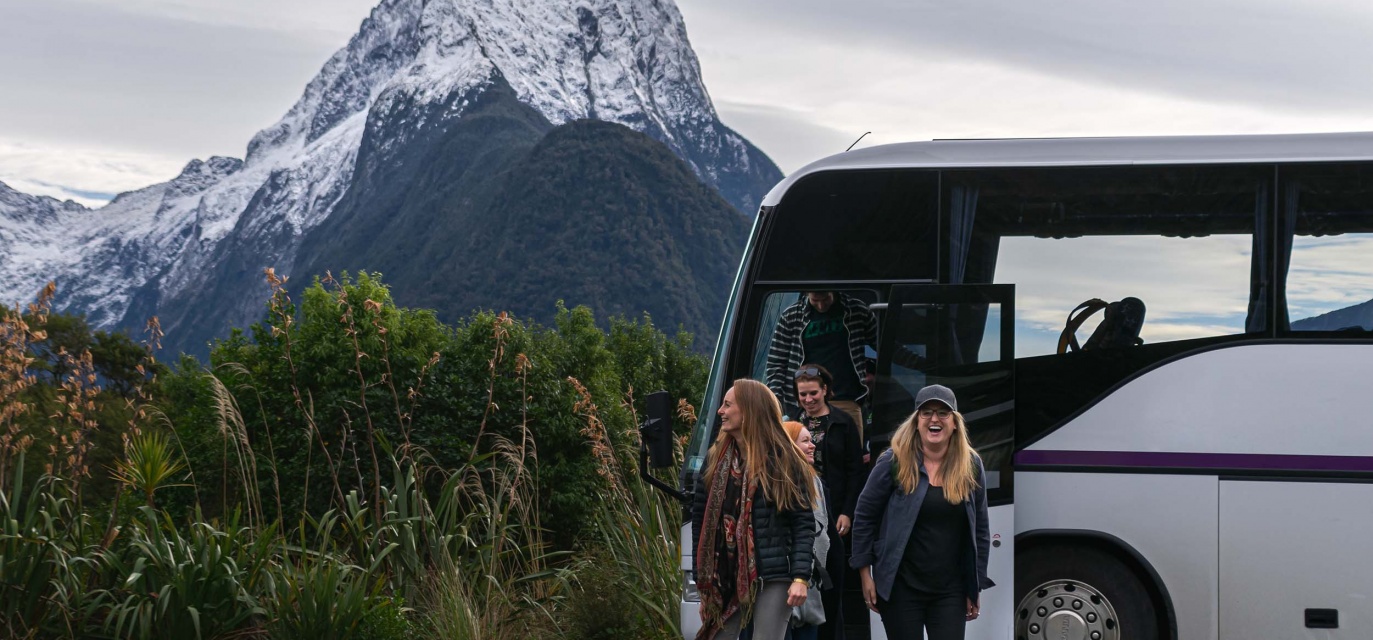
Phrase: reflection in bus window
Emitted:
{"points": [[957, 345], [1330, 283], [1329, 279], [1191, 287]]}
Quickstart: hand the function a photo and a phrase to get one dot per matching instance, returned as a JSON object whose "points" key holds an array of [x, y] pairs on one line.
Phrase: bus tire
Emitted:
{"points": [[1074, 592]]}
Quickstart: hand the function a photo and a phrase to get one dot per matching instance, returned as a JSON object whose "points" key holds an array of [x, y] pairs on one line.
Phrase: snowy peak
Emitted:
{"points": [[199, 175], [625, 61], [349, 81], [22, 207]]}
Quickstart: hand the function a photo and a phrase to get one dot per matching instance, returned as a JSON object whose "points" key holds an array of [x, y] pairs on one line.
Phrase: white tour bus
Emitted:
{"points": [[1193, 461]]}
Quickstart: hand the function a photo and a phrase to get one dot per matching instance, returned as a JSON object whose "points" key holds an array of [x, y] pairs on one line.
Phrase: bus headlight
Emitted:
{"points": [[689, 592]]}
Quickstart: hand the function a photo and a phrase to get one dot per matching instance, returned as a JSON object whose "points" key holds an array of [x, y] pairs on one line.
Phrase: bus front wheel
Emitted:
{"points": [[1080, 593]]}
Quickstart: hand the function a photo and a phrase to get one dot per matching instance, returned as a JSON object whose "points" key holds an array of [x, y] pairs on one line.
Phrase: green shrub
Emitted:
{"points": [[596, 607], [387, 620], [202, 584]]}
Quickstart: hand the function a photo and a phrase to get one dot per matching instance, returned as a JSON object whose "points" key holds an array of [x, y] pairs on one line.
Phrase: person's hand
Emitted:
{"points": [[869, 588], [843, 526], [973, 609], [796, 594]]}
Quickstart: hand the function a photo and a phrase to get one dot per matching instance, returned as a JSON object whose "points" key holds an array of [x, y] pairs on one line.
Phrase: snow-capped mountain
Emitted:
{"points": [[414, 67]]}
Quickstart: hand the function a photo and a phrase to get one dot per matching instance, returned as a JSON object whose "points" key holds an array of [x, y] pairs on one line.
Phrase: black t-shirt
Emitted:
{"points": [[937, 547], [826, 342]]}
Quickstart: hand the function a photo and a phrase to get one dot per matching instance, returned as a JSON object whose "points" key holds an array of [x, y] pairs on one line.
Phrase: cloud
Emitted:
{"points": [[93, 74], [918, 71], [1291, 54], [789, 136], [331, 21], [88, 175]]}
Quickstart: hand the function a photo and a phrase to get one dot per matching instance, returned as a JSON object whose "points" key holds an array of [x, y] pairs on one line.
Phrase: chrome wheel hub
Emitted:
{"points": [[1066, 610]]}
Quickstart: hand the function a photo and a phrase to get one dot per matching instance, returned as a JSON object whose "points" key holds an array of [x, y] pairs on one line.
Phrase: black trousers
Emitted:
{"points": [[832, 598], [942, 616]]}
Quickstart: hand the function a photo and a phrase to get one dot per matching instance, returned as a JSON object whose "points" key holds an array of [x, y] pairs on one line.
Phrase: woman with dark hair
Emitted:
{"points": [[752, 520], [839, 461], [920, 535]]}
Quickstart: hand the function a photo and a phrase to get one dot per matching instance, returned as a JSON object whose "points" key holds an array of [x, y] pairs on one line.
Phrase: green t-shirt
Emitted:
{"points": [[826, 342]]}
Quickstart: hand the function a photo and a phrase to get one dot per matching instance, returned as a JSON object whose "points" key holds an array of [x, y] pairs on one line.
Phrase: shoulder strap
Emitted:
{"points": [[1075, 319]]}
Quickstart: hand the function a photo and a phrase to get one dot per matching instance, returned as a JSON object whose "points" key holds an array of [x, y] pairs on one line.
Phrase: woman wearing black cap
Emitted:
{"points": [[926, 502]]}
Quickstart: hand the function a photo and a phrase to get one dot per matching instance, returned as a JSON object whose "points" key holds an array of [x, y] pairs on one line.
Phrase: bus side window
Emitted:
{"points": [[1191, 243], [1327, 215], [1178, 240]]}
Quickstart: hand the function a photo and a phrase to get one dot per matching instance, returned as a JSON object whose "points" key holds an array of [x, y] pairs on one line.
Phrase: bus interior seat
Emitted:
{"points": [[1120, 326]]}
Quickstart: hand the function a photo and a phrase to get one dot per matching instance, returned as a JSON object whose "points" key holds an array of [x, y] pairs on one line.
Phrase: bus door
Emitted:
{"points": [[962, 337]]}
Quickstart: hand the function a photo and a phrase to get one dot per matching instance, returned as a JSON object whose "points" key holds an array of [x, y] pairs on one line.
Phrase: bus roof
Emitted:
{"points": [[1058, 152]]}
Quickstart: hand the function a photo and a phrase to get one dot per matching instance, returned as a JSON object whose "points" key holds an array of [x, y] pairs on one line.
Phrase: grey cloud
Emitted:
{"points": [[93, 75], [1297, 56], [788, 137]]}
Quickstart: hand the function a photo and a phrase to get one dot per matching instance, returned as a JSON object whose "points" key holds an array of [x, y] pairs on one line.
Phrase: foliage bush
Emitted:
{"points": [[331, 466], [596, 608]]}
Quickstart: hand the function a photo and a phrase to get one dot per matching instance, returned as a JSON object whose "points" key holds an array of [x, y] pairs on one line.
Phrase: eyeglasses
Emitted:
{"points": [[808, 371], [930, 413]]}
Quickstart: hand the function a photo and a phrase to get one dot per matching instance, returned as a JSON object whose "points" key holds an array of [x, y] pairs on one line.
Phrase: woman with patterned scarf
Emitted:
{"points": [[752, 520]]}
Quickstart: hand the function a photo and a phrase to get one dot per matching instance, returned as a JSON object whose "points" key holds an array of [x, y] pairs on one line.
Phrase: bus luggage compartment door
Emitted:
{"points": [[1292, 559]]}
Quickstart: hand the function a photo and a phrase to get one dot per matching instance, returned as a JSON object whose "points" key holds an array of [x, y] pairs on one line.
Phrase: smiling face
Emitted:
{"points": [[934, 421], [811, 395], [807, 445], [730, 415]]}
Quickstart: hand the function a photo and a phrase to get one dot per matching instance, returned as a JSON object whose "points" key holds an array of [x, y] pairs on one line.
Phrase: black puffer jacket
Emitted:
{"points": [[783, 540]]}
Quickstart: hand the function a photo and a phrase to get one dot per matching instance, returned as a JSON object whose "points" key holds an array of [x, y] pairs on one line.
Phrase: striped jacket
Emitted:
{"points": [[787, 352]]}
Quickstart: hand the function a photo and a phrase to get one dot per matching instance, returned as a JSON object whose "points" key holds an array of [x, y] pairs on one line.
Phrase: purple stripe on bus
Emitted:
{"points": [[1167, 460]]}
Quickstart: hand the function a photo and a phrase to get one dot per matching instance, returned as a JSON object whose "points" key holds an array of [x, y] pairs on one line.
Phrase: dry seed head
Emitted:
{"points": [[685, 411]]}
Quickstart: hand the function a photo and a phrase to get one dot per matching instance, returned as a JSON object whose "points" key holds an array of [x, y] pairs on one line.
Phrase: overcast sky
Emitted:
{"points": [[99, 96]]}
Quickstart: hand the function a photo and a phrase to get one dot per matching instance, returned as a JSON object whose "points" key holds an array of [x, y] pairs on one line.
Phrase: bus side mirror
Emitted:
{"points": [[656, 431]]}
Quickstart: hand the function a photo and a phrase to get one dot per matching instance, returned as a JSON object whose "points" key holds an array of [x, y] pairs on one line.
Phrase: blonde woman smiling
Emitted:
{"points": [[926, 502]]}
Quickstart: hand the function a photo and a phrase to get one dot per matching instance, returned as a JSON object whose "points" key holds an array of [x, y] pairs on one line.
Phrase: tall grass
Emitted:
{"points": [[638, 530]]}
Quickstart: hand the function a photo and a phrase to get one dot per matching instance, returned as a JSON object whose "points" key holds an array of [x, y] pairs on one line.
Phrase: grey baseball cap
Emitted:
{"points": [[937, 392]]}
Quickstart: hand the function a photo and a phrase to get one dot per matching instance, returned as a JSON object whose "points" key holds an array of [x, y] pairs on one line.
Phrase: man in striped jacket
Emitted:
{"points": [[830, 329]]}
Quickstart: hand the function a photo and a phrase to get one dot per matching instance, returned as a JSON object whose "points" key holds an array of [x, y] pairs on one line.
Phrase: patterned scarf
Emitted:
{"points": [[728, 578]]}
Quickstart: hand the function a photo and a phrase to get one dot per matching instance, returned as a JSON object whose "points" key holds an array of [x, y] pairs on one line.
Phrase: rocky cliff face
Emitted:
{"points": [[195, 246]]}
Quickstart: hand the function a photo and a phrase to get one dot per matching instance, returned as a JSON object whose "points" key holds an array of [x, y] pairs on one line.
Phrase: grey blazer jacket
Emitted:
{"points": [[886, 515]]}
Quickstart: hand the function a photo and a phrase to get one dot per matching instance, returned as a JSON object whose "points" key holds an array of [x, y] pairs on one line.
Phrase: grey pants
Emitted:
{"points": [[771, 614]]}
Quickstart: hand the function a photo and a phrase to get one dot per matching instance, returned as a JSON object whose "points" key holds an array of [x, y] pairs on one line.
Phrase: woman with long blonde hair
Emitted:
{"points": [[752, 520], [926, 501]]}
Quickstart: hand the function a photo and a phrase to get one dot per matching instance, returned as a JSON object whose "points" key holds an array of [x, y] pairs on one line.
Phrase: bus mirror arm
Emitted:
{"points": [[670, 490], [655, 437]]}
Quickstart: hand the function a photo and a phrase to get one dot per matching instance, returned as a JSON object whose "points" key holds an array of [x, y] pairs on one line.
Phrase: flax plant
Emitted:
{"points": [[16, 334]]}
